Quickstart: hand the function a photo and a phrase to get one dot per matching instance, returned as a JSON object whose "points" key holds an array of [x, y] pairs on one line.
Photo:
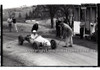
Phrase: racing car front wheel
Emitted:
{"points": [[53, 44], [20, 40]]}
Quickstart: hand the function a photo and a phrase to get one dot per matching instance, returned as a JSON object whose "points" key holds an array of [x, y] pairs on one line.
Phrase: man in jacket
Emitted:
{"points": [[35, 27], [15, 25], [67, 34]]}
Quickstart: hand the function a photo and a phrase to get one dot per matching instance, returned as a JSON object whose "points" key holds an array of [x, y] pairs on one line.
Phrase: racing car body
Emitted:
{"points": [[38, 42], [42, 40]]}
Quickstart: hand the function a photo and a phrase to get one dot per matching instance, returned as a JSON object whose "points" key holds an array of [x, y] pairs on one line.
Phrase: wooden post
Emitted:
{"points": [[90, 19], [79, 13], [84, 10], [85, 22], [96, 13], [91, 13]]}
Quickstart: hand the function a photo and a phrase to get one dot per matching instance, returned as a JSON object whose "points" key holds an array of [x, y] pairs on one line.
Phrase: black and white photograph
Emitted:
{"points": [[50, 35]]}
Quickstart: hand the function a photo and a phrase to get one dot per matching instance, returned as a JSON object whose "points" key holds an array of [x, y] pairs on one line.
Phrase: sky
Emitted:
{"points": [[18, 3]]}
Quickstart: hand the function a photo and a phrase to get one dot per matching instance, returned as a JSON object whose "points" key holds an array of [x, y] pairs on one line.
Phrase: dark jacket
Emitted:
{"points": [[14, 20], [57, 23], [35, 27]]}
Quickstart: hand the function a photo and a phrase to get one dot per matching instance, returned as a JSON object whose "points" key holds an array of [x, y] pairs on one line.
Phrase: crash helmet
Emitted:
{"points": [[34, 31]]}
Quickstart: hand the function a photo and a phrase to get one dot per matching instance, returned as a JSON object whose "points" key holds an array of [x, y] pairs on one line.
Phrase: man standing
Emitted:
{"points": [[14, 23], [58, 28], [82, 25], [9, 20], [67, 35]]}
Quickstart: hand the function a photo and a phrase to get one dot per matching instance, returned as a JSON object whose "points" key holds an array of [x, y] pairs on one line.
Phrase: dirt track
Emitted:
{"points": [[67, 59]]}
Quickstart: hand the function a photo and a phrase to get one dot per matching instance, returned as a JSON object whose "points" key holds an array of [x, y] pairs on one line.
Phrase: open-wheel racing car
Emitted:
{"points": [[38, 43]]}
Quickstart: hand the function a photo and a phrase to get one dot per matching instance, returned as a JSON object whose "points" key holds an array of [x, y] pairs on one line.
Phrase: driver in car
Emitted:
{"points": [[33, 36]]}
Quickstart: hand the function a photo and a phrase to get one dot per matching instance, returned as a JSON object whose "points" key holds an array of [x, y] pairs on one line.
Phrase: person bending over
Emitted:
{"points": [[35, 27]]}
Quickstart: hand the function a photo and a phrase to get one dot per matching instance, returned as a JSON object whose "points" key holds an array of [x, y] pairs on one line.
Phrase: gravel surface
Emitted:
{"points": [[60, 59]]}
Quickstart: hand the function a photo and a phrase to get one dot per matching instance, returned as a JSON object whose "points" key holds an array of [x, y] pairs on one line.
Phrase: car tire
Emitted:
{"points": [[27, 38], [20, 40], [53, 44], [35, 46]]}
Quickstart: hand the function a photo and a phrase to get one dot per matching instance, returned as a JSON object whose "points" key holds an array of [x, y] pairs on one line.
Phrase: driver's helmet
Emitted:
{"points": [[34, 31], [37, 22]]}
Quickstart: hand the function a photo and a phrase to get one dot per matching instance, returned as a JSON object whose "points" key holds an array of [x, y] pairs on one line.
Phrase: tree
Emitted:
{"points": [[66, 9], [26, 16], [52, 10], [20, 15], [33, 13], [13, 14], [30, 15], [38, 11]]}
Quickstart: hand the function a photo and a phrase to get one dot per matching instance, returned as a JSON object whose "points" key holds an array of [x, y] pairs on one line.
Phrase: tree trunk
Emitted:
{"points": [[66, 16], [67, 19], [52, 22]]}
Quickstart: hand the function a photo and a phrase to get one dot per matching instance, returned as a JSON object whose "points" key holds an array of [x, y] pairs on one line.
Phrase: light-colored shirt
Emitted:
{"points": [[34, 36], [9, 20]]}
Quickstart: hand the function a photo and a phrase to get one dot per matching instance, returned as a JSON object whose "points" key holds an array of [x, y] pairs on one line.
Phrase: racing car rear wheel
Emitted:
{"points": [[20, 40], [35, 46], [53, 44]]}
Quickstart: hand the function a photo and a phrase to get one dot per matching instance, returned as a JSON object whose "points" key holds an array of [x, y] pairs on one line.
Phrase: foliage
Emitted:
{"points": [[20, 15]]}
